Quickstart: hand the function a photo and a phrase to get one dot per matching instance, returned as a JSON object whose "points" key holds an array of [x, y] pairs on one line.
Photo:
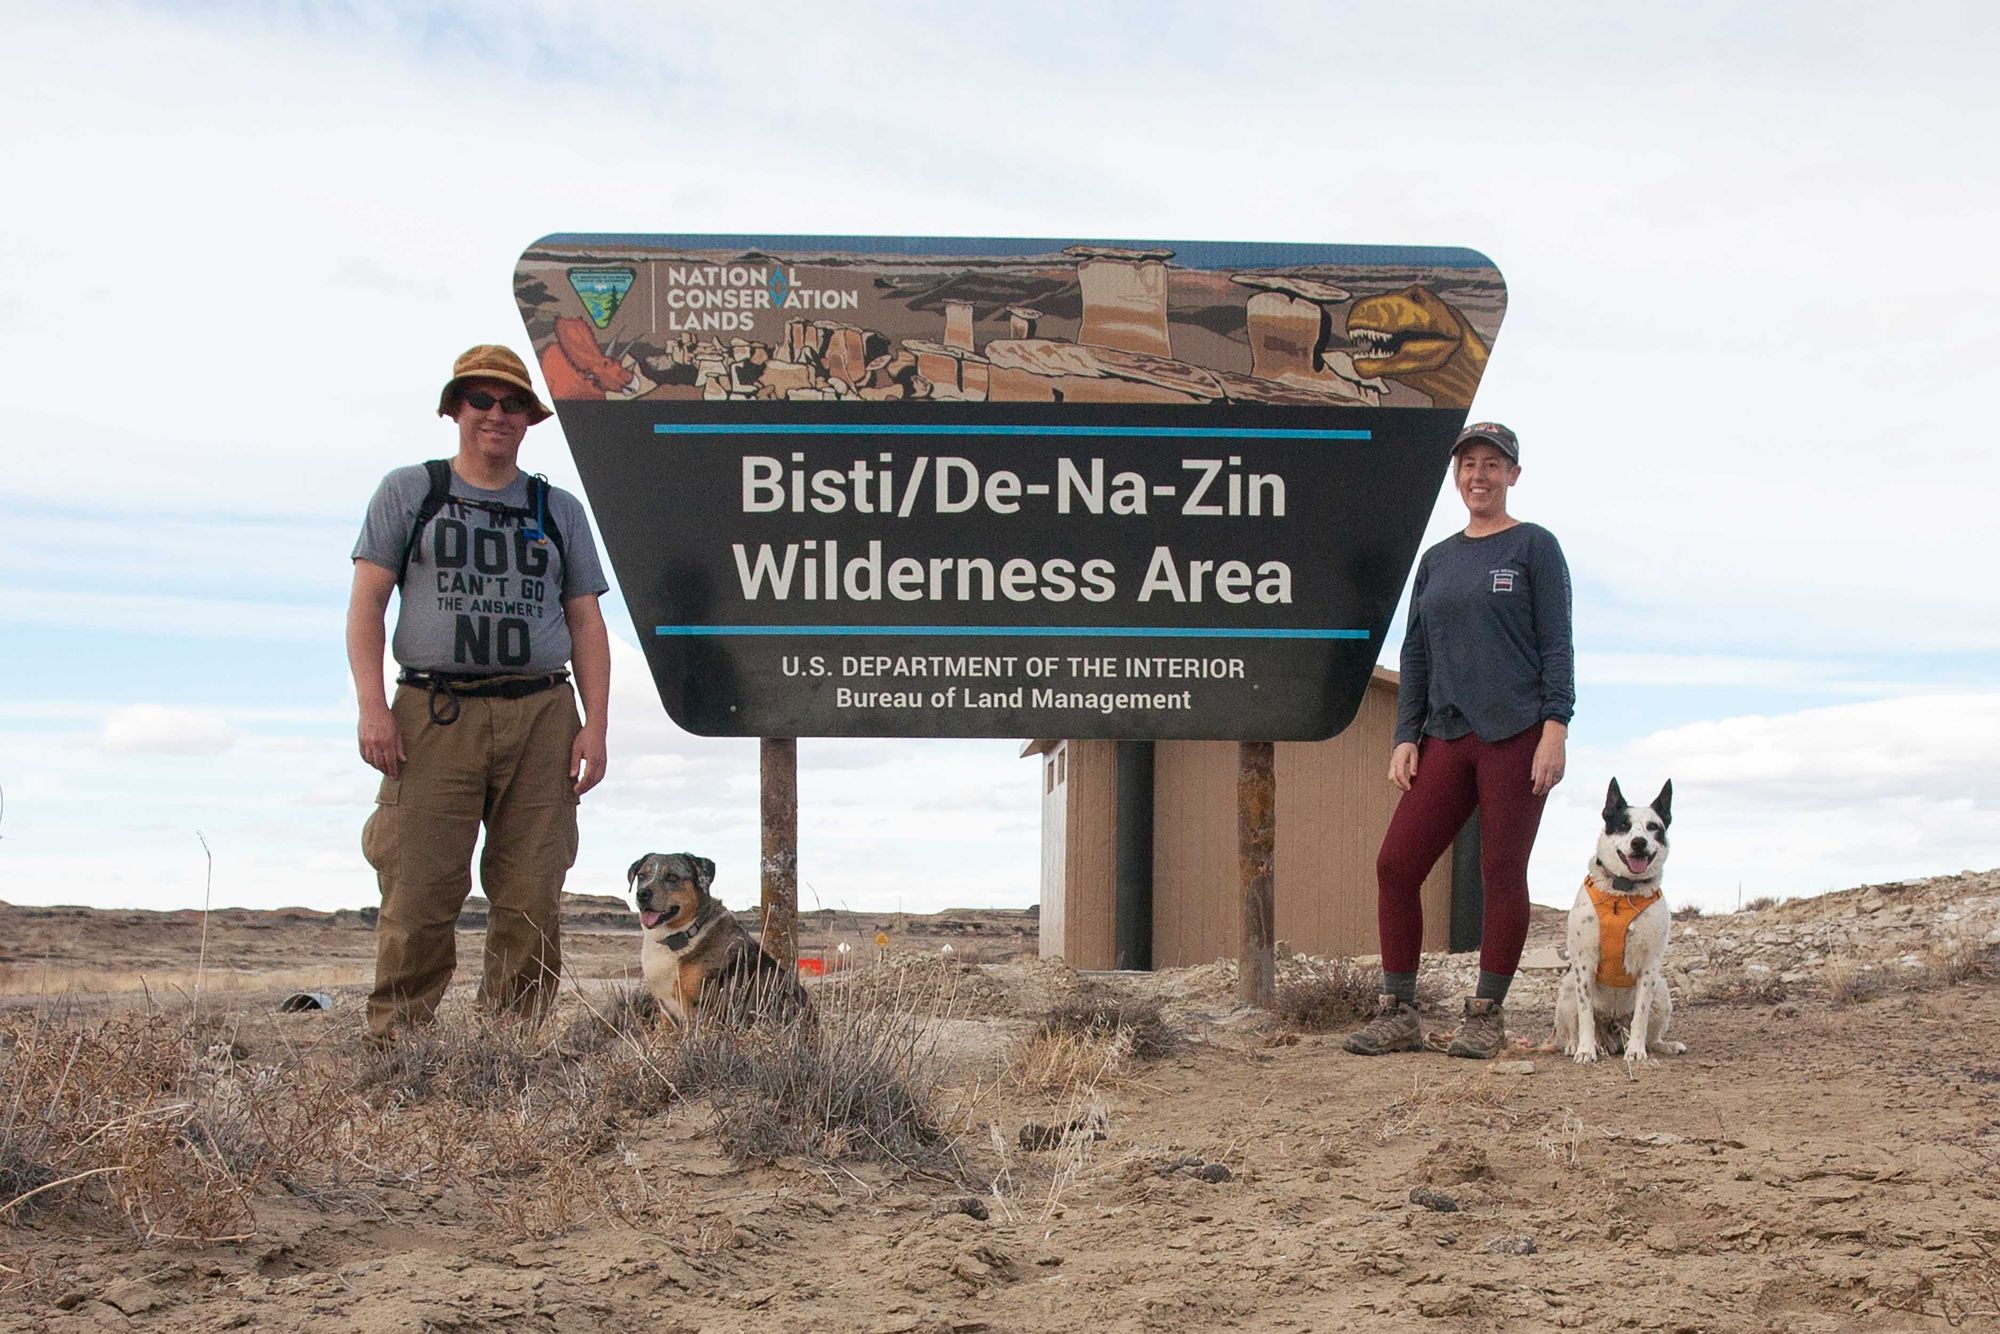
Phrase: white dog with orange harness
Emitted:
{"points": [[1615, 992]]}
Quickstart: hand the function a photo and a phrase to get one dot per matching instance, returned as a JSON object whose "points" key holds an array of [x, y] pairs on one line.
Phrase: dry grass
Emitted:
{"points": [[1736, 985], [1954, 957], [1563, 1135], [54, 980], [1760, 903], [1957, 956], [1320, 995], [1096, 1012], [1969, 1291], [1440, 1100], [1084, 1044], [1046, 1062], [173, 1130], [1849, 981], [860, 1081]]}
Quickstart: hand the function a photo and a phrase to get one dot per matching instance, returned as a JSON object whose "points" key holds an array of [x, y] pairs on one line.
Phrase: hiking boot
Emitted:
{"points": [[1395, 1027], [1483, 1034]]}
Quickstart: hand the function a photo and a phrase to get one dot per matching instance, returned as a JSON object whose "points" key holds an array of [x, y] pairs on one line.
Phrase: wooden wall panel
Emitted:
{"points": [[1334, 804], [1090, 875], [1055, 849], [1197, 901]]}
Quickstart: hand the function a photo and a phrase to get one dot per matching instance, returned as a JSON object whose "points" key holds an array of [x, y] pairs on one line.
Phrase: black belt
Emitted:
{"points": [[454, 686]]}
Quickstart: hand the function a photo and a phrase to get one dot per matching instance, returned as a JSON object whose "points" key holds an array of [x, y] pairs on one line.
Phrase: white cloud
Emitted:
{"points": [[158, 729], [1818, 675], [173, 614]]}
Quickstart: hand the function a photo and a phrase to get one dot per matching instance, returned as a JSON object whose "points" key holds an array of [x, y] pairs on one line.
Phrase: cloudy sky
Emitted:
{"points": [[1751, 270]]}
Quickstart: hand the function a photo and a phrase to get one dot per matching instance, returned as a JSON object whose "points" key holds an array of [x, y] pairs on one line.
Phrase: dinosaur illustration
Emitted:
{"points": [[576, 367], [1421, 339]]}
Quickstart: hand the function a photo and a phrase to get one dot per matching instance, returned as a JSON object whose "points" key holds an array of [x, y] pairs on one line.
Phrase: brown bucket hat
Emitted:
{"points": [[490, 361]]}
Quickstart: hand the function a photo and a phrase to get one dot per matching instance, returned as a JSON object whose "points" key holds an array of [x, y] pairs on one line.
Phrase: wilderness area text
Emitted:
{"points": [[815, 571]]}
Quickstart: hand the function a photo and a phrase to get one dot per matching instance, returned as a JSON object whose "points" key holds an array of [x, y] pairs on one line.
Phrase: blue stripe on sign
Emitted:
{"points": [[1012, 631], [1179, 432]]}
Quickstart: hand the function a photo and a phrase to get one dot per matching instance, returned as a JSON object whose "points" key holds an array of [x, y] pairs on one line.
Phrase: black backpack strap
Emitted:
{"points": [[439, 471]]}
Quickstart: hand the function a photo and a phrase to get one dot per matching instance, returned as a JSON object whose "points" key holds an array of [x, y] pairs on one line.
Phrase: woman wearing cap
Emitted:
{"points": [[1482, 716]]}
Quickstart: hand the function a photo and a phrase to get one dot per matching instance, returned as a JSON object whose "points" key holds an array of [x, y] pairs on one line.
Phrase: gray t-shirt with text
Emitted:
{"points": [[481, 595]]}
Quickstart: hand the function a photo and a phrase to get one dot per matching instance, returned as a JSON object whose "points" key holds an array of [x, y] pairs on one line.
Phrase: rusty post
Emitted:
{"points": [[1256, 836], [778, 768]]}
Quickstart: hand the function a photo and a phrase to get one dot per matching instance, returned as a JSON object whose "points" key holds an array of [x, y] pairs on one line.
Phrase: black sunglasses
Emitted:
{"points": [[479, 400]]}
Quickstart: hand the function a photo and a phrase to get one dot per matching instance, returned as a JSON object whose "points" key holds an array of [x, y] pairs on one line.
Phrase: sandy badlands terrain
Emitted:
{"points": [[1825, 1157]]}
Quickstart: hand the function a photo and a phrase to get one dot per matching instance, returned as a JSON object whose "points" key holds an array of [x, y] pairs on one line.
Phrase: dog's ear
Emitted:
{"points": [[632, 872], [705, 869], [1614, 802], [1663, 805]]}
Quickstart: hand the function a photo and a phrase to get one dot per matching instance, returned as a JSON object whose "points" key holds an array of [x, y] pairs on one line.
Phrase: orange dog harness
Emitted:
{"points": [[1615, 915]]}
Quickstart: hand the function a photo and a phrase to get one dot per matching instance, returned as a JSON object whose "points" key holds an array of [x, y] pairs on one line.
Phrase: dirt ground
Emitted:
{"points": [[1825, 1157]]}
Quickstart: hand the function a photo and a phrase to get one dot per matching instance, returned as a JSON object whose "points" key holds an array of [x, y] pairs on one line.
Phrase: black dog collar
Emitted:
{"points": [[1624, 884], [678, 940]]}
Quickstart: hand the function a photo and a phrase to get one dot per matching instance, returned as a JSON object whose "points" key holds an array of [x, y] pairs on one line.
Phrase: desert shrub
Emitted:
{"points": [[468, 1059], [172, 1130], [163, 1125], [911, 981], [1736, 986], [1325, 994], [1097, 1013], [1069, 1063], [110, 1112], [1848, 982], [1760, 903], [1955, 957], [1956, 1291], [1336, 994], [625, 1016], [1687, 912], [844, 1080], [24, 1162]]}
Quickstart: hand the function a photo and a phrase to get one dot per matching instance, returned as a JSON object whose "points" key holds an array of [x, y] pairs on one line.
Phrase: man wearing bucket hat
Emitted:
{"points": [[1482, 722], [498, 581]]}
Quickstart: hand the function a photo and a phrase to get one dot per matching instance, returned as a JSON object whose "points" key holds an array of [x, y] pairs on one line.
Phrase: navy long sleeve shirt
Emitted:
{"points": [[1488, 649]]}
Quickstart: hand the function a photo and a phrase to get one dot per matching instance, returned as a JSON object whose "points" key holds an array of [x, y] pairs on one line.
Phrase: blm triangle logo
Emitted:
{"points": [[601, 291]]}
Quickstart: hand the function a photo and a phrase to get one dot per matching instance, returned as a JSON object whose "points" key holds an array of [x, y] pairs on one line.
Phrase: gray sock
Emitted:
{"points": [[1403, 986], [1493, 986]]}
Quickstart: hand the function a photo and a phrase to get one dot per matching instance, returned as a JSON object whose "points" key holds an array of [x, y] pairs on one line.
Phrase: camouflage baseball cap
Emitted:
{"points": [[490, 361], [1491, 433]]}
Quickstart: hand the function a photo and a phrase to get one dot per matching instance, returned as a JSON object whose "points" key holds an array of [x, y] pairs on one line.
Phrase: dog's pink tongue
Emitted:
{"points": [[1636, 865], [649, 920]]}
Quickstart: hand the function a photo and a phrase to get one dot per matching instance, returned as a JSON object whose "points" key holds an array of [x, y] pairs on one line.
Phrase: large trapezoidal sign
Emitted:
{"points": [[932, 486]]}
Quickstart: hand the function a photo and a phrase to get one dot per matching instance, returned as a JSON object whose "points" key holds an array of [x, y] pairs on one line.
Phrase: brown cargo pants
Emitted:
{"points": [[503, 763]]}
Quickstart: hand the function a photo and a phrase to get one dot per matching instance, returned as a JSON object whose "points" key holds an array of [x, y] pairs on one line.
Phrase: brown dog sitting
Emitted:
{"points": [[697, 958]]}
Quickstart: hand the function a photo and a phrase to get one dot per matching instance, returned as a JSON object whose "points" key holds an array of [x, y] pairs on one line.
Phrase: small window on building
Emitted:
{"points": [[1051, 767], [1062, 765]]}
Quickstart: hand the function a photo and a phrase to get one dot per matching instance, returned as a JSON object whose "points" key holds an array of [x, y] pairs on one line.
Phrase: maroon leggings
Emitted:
{"points": [[1453, 777]]}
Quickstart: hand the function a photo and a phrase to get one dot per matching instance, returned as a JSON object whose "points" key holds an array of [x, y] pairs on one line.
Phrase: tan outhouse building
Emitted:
{"points": [[1139, 852]]}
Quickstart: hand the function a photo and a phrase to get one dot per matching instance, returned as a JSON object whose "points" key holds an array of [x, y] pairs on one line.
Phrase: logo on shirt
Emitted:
{"points": [[1503, 581]]}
